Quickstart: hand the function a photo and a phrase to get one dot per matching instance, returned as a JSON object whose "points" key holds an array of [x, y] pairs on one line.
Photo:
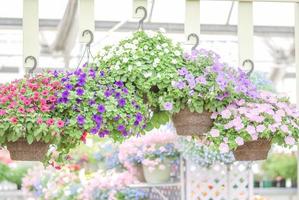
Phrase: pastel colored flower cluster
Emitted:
{"points": [[27, 110], [91, 106], [268, 117], [201, 154], [206, 84], [151, 149]]}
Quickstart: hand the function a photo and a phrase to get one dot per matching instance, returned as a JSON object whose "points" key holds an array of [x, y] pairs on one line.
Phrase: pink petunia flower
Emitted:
{"points": [[214, 133], [260, 128], [60, 123], [251, 129], [224, 148], [50, 122], [45, 92], [239, 141], [289, 140], [226, 114], [39, 121], [14, 120]]}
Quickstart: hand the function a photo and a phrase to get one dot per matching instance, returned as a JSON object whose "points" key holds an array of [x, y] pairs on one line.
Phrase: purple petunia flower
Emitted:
{"points": [[94, 130], [91, 102], [183, 71], [116, 118], [98, 119], [64, 100], [80, 120], [121, 128], [108, 93], [117, 95], [69, 86], [122, 102], [101, 108], [55, 73], [180, 85], [80, 91], [81, 82], [92, 73], [119, 83], [65, 94], [78, 100], [136, 123], [102, 73], [64, 79], [168, 106], [139, 117], [125, 90]]}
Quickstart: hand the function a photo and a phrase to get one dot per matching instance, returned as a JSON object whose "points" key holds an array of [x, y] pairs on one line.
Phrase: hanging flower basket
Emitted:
{"points": [[253, 150], [192, 123], [22, 151]]}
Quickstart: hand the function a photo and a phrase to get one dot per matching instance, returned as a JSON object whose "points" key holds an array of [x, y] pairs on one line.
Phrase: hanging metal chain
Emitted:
{"points": [[141, 21], [87, 47]]}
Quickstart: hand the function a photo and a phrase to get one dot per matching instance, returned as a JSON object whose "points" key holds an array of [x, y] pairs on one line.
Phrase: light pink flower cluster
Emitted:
{"points": [[270, 117], [132, 151], [109, 182]]}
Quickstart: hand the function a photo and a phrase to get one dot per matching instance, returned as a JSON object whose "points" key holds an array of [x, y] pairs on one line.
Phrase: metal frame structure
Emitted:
{"points": [[245, 27]]}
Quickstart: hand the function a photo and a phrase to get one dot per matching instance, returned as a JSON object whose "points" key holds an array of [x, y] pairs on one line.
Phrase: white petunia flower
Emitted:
{"points": [[130, 67], [147, 74], [159, 47], [166, 50], [145, 47], [138, 63], [125, 60], [157, 60], [177, 53], [164, 45], [174, 61]]}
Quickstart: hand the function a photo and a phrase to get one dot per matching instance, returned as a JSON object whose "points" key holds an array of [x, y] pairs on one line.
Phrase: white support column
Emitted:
{"points": [[192, 17], [86, 19], [245, 30], [30, 32], [297, 71], [136, 4]]}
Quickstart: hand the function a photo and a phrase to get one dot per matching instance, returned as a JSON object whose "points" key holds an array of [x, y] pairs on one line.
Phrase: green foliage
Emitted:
{"points": [[284, 165]]}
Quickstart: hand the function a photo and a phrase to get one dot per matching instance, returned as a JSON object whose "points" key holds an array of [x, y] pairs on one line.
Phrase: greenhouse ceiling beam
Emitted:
{"points": [[50, 24]]}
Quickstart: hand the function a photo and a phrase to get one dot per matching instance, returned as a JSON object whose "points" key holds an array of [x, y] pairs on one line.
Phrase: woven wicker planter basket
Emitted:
{"points": [[192, 123], [22, 151], [253, 150]]}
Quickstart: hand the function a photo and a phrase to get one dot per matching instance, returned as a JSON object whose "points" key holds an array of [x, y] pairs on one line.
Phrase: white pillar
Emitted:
{"points": [[192, 17], [86, 19], [136, 4], [30, 32], [245, 30], [297, 70]]}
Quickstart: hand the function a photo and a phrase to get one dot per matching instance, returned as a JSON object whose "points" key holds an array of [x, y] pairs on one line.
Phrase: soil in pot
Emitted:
{"points": [[189, 123], [158, 174], [20, 150], [253, 150]]}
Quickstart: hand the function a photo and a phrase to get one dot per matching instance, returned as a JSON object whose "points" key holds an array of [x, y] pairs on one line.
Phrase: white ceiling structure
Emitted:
{"points": [[273, 42]]}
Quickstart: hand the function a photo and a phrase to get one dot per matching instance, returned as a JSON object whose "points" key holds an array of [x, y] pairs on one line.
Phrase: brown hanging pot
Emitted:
{"points": [[253, 150], [20, 150], [192, 123]]}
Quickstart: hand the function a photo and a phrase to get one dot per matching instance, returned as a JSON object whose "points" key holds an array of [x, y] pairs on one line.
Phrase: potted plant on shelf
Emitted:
{"points": [[27, 121], [249, 128]]}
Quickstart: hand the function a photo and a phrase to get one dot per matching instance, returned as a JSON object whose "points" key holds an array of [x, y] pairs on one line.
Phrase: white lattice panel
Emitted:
{"points": [[219, 182]]}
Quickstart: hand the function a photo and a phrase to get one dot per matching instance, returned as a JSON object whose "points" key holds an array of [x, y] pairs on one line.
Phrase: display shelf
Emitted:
{"points": [[275, 191], [148, 185]]}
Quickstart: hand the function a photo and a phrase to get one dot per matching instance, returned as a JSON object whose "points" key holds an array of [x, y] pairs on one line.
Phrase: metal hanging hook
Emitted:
{"points": [[196, 40], [31, 70], [89, 32], [251, 64], [140, 23]]}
